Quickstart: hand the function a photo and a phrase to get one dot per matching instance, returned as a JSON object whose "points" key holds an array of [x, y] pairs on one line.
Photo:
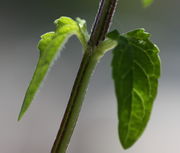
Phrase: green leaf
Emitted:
{"points": [[50, 46], [136, 69], [146, 3], [83, 35]]}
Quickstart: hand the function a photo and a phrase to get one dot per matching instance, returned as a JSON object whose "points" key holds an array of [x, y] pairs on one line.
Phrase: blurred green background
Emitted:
{"points": [[21, 24]]}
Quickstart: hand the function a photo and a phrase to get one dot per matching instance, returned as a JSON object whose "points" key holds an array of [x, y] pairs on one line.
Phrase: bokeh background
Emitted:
{"points": [[21, 24]]}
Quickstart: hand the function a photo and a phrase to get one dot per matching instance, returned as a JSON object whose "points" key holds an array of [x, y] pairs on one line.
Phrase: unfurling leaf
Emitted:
{"points": [[136, 69], [50, 45]]}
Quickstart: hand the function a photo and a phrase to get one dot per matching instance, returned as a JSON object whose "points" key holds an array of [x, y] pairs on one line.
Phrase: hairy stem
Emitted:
{"points": [[102, 21], [75, 102], [88, 64]]}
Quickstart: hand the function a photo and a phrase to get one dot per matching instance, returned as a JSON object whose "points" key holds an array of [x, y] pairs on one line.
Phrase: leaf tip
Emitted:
{"points": [[128, 142], [126, 145], [25, 106], [21, 114]]}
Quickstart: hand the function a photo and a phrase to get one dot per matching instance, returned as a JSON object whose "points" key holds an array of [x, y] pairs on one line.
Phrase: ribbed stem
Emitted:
{"points": [[88, 64], [75, 102], [102, 21]]}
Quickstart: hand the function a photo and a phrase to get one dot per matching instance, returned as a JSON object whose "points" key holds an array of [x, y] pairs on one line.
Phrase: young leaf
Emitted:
{"points": [[136, 69], [146, 3], [50, 45]]}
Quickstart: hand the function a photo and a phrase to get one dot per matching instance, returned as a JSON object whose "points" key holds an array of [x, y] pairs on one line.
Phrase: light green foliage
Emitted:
{"points": [[136, 69], [146, 3], [83, 33], [50, 45]]}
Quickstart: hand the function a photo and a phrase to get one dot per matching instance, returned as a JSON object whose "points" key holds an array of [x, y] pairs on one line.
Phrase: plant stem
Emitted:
{"points": [[102, 21], [88, 64], [74, 105]]}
